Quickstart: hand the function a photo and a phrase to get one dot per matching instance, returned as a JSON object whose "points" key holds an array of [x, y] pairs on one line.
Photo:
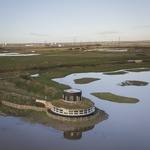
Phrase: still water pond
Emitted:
{"points": [[127, 127]]}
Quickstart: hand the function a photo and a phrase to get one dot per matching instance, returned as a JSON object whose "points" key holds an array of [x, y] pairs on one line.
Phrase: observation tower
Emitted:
{"points": [[72, 104]]}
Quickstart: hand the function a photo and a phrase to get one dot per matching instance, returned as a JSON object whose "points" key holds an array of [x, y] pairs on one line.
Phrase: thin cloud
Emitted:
{"points": [[74, 37], [37, 34], [146, 26], [107, 32]]}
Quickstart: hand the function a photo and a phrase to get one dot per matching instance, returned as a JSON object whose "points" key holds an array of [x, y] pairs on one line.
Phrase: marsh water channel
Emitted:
{"points": [[126, 128]]}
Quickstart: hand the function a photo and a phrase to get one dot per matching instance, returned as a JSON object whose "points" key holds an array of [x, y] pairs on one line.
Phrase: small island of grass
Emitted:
{"points": [[133, 83], [115, 98], [115, 73], [138, 69], [85, 80]]}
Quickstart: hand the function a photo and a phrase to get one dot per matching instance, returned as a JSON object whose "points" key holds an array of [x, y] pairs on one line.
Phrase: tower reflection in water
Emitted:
{"points": [[73, 129], [77, 114], [77, 133]]}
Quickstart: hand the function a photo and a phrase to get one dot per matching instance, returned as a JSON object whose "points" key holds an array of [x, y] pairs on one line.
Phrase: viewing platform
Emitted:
{"points": [[73, 104]]}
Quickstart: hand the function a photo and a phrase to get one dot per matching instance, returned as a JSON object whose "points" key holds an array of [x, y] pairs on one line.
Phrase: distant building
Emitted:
{"points": [[29, 45]]}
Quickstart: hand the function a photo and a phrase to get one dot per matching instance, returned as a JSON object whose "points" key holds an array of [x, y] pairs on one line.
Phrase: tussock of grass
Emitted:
{"points": [[133, 83], [115, 98], [85, 80]]}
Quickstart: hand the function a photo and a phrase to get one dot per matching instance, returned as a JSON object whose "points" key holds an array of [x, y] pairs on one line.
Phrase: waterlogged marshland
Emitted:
{"points": [[123, 125], [126, 127]]}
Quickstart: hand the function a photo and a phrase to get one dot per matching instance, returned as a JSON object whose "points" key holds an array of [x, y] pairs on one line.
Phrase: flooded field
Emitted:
{"points": [[126, 127], [16, 54]]}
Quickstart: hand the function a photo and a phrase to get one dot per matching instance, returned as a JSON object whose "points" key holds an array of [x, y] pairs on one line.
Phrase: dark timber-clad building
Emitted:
{"points": [[72, 95]]}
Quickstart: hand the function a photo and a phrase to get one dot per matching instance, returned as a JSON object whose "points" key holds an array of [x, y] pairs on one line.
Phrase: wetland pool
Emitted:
{"points": [[127, 125]]}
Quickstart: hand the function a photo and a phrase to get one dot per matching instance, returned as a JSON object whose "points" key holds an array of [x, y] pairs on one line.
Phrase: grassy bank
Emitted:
{"points": [[7, 111]]}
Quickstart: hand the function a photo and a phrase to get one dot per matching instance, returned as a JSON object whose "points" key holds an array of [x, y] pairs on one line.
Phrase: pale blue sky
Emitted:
{"points": [[27, 21]]}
